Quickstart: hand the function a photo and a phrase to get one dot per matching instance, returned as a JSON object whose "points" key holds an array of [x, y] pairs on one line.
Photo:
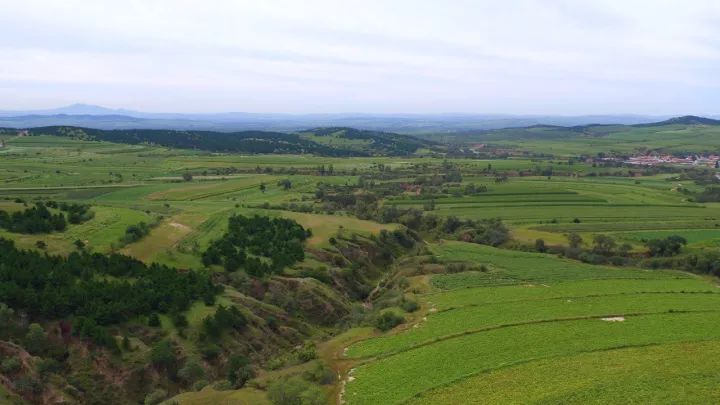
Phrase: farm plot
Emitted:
{"points": [[471, 319], [402, 376], [680, 374], [557, 313], [532, 267]]}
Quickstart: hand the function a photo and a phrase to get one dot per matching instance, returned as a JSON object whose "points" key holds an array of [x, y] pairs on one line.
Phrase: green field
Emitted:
{"points": [[556, 313]]}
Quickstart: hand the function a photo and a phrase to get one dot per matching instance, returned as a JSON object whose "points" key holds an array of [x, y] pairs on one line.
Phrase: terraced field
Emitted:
{"points": [[576, 322]]}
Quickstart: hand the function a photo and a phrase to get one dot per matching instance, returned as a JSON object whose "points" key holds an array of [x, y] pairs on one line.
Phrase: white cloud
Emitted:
{"points": [[524, 56]]}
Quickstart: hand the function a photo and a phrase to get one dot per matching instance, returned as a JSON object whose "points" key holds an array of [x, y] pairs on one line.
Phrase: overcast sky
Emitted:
{"points": [[518, 57]]}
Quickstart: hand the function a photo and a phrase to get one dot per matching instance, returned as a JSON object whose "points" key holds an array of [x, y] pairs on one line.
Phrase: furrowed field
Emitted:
{"points": [[587, 318]]}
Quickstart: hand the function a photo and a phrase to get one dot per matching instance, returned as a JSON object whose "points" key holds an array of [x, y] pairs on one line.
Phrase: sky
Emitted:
{"points": [[394, 56]]}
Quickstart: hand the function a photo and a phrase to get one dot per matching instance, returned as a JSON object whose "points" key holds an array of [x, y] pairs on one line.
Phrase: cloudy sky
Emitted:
{"points": [[425, 56]]}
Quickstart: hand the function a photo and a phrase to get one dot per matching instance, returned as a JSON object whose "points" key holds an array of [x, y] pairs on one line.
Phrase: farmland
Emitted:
{"points": [[423, 278], [476, 331]]}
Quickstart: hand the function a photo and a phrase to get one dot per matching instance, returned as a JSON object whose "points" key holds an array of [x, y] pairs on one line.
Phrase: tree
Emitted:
{"points": [[187, 176], [239, 371], [192, 371], [285, 184], [540, 245], [669, 246], [154, 320], [126, 344], [603, 244], [575, 241], [262, 187], [36, 339], [163, 354]]}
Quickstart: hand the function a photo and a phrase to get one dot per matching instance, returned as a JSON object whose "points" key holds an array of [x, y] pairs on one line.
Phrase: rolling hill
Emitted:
{"points": [[320, 141]]}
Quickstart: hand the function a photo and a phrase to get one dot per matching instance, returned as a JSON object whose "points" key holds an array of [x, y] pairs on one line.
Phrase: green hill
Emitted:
{"points": [[319, 141]]}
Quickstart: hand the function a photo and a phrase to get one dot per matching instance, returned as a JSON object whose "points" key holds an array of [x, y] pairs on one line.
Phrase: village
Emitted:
{"points": [[711, 161]]}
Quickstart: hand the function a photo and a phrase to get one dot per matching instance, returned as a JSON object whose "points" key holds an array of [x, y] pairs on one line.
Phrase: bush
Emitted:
{"points": [[199, 385], [28, 385], [154, 320], [239, 371], [320, 374], [192, 371], [179, 320], [209, 351], [163, 354], [10, 365], [307, 353], [36, 339], [47, 366], [222, 385], [388, 320], [155, 397], [295, 391], [409, 305]]}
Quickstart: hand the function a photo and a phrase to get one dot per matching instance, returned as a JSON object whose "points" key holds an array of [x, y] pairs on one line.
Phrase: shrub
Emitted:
{"points": [[209, 351], [192, 371], [388, 320], [154, 320], [222, 385], [163, 354], [295, 391], [319, 373], [10, 365], [239, 371], [200, 384], [307, 353], [409, 305], [179, 320], [155, 397]]}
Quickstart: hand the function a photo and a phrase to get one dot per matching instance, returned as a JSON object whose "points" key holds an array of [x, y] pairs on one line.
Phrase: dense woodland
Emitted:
{"points": [[105, 289], [379, 143], [39, 219], [258, 245]]}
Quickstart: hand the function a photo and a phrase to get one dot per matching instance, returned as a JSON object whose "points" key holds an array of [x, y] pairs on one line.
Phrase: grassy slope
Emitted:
{"points": [[482, 329], [680, 374]]}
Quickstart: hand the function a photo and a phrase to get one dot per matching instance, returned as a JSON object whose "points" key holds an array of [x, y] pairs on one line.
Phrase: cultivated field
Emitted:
{"points": [[557, 316]]}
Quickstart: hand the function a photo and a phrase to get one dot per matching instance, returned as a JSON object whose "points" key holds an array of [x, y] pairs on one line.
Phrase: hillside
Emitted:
{"points": [[681, 135], [321, 141], [359, 141]]}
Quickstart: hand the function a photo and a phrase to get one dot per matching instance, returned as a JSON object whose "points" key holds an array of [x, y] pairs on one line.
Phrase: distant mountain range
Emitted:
{"points": [[92, 116]]}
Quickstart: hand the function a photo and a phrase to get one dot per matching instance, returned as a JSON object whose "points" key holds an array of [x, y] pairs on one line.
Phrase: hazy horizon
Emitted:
{"points": [[556, 57]]}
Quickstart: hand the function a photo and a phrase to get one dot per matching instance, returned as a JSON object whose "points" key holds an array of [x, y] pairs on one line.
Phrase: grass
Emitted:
{"points": [[99, 233], [578, 288], [533, 267], [680, 374], [475, 329], [403, 376], [208, 395], [696, 236], [464, 320]]}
